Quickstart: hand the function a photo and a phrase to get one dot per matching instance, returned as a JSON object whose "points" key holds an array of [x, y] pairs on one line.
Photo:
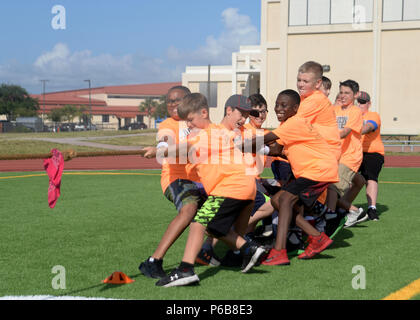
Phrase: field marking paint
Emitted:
{"points": [[85, 174], [148, 174], [405, 293]]}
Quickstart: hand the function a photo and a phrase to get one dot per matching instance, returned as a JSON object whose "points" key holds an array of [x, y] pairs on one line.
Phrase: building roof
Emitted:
{"points": [[54, 100]]}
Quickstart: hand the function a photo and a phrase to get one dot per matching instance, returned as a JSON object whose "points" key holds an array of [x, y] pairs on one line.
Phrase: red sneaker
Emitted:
{"points": [[315, 246], [277, 258]]}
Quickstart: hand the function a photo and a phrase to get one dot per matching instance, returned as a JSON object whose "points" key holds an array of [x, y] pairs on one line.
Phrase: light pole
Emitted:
{"points": [[43, 93], [90, 106]]}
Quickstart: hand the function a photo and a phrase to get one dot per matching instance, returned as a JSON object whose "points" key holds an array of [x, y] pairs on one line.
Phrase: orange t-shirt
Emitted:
{"points": [[319, 111], [220, 165], [173, 168], [309, 154], [352, 152], [372, 141]]}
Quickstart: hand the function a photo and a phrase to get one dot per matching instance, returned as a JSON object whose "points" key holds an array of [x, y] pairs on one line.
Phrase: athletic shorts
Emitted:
{"points": [[282, 170], [308, 191], [181, 192], [218, 214], [371, 165], [346, 176]]}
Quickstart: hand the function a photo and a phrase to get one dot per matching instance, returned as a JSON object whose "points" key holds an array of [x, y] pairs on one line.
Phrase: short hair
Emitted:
{"points": [[257, 99], [326, 82], [182, 88], [353, 85], [312, 66], [192, 102], [292, 94]]}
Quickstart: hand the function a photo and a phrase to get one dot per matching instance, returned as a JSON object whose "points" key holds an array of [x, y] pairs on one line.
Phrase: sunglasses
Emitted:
{"points": [[361, 101]]}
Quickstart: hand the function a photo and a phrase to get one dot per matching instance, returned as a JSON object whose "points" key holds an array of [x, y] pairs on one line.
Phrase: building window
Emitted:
{"points": [[400, 10], [105, 118], [316, 12], [140, 119], [203, 89]]}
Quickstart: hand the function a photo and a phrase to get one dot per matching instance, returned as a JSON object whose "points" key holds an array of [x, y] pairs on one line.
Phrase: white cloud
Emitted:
{"points": [[238, 30], [66, 69]]}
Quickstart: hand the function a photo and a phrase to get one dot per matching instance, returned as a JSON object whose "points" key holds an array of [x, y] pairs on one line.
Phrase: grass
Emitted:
{"points": [[144, 140], [73, 134], [31, 146], [105, 222]]}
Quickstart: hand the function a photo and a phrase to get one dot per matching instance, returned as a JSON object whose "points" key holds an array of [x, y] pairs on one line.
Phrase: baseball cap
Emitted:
{"points": [[242, 103], [363, 97]]}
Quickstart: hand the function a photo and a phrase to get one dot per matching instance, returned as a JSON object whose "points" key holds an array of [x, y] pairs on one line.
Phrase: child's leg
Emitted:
{"points": [[304, 224], [241, 223], [266, 210], [194, 242], [175, 229], [284, 201]]}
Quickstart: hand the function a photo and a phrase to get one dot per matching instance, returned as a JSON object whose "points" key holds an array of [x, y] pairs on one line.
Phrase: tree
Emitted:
{"points": [[82, 114], [55, 115], [149, 106], [69, 112], [161, 110], [15, 101]]}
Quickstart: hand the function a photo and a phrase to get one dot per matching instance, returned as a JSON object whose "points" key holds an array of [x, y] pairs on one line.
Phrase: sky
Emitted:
{"points": [[118, 42]]}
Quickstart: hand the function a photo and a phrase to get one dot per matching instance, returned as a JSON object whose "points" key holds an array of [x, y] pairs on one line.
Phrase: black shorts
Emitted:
{"points": [[371, 165], [282, 171], [218, 214], [308, 191]]}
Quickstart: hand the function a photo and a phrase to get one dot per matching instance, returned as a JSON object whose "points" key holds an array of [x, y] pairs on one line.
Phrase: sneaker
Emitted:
{"points": [[207, 257], [315, 246], [152, 269], [276, 258], [334, 223], [252, 255], [178, 277], [268, 231], [231, 259], [371, 212], [355, 217]]}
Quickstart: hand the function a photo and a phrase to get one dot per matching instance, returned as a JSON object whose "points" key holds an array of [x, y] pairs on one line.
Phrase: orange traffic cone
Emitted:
{"points": [[118, 277]]}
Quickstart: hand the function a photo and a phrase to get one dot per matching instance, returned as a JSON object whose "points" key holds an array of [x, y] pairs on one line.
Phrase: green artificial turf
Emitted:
{"points": [[105, 222]]}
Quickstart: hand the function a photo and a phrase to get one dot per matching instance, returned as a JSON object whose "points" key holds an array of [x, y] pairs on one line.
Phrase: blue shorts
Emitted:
{"points": [[181, 192]]}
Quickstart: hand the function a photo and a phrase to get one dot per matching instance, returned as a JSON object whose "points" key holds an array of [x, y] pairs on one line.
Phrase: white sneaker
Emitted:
{"points": [[355, 217], [268, 231]]}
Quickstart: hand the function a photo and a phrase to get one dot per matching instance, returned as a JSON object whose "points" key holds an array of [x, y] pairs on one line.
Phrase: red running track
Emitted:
{"points": [[137, 162]]}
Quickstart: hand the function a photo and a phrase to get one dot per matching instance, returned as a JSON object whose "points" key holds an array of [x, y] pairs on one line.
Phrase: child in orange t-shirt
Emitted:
{"points": [[179, 183], [350, 122], [314, 167], [222, 172], [373, 152]]}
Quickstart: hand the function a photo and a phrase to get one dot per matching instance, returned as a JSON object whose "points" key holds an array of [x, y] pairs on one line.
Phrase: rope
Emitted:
{"points": [[71, 154]]}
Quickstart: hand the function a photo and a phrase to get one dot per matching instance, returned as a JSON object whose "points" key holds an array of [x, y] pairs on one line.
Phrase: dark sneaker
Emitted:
{"points": [[372, 214], [178, 277], [252, 255], [231, 260], [315, 246], [207, 257], [152, 269], [334, 223], [355, 217]]}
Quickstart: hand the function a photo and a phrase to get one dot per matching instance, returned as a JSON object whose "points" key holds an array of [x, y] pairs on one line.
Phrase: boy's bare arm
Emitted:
{"points": [[368, 127], [344, 132]]}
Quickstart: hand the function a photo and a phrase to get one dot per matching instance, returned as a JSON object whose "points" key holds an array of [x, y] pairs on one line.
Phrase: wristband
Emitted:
{"points": [[162, 144]]}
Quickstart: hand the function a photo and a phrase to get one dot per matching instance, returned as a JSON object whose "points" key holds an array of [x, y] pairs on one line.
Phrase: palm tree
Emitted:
{"points": [[149, 105]]}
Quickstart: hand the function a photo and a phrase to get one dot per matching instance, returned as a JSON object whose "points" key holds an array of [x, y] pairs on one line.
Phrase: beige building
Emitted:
{"points": [[375, 42]]}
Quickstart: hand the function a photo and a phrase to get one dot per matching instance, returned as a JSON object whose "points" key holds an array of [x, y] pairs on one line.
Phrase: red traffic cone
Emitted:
{"points": [[118, 277]]}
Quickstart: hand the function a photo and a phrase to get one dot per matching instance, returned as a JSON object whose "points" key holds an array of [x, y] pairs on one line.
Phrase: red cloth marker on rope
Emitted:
{"points": [[54, 167]]}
